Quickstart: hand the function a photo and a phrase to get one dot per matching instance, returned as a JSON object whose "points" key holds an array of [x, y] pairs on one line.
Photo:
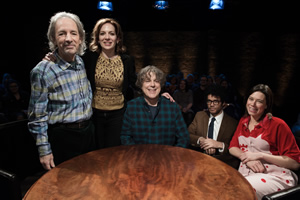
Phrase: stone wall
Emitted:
{"points": [[246, 59]]}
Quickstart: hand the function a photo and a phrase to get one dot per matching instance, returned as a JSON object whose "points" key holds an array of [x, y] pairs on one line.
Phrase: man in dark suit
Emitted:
{"points": [[211, 130]]}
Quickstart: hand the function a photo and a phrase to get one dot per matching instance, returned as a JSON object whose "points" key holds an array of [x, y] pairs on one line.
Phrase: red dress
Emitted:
{"points": [[271, 136]]}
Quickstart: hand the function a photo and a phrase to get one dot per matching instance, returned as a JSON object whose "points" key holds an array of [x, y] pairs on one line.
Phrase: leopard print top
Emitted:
{"points": [[109, 76]]}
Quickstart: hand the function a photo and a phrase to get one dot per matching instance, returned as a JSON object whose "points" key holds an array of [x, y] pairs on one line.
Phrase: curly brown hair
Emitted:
{"points": [[95, 46], [144, 74]]}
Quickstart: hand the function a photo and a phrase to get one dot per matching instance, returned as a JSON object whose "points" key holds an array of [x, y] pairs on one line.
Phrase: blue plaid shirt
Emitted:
{"points": [[60, 93], [167, 127]]}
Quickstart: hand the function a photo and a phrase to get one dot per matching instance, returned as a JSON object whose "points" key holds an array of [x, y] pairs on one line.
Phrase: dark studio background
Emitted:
{"points": [[250, 42]]}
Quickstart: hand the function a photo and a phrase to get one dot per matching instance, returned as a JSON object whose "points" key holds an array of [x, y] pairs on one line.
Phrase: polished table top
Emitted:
{"points": [[142, 172]]}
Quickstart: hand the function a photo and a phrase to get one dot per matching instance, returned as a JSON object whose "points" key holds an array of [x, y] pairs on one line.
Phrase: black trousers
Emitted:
{"points": [[67, 143], [108, 127]]}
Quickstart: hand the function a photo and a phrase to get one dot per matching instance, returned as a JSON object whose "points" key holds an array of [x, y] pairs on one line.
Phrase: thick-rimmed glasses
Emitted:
{"points": [[214, 102]]}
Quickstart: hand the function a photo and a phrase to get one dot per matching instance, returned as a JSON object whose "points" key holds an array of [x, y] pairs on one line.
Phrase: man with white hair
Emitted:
{"points": [[61, 96]]}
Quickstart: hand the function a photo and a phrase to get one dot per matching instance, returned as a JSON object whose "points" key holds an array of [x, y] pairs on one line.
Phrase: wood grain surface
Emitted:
{"points": [[142, 172]]}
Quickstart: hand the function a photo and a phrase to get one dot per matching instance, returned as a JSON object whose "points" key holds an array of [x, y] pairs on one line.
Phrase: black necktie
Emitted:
{"points": [[211, 128]]}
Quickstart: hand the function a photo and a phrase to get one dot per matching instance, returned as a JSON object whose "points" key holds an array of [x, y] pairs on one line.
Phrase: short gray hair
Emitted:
{"points": [[144, 74], [51, 31]]}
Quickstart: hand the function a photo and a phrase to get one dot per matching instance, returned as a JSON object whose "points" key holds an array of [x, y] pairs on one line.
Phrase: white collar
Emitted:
{"points": [[218, 117]]}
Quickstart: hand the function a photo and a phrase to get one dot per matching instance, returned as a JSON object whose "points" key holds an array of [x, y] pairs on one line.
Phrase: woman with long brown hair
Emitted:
{"points": [[265, 145]]}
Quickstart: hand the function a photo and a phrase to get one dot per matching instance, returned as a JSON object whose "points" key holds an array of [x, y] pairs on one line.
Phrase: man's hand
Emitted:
{"points": [[207, 143], [211, 151], [47, 161]]}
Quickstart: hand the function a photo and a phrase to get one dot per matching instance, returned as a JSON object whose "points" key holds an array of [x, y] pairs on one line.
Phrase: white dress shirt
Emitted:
{"points": [[217, 125]]}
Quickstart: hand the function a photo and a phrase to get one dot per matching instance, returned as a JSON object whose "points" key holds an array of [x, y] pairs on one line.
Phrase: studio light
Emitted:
{"points": [[216, 5], [161, 5], [105, 5]]}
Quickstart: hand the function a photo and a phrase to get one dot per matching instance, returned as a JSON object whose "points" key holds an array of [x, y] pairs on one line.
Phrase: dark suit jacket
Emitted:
{"points": [[90, 61], [199, 126]]}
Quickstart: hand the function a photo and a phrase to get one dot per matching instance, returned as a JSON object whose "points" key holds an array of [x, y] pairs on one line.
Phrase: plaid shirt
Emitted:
{"points": [[167, 127], [60, 93]]}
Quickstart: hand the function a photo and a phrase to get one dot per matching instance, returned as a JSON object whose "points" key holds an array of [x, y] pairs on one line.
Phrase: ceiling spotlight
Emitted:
{"points": [[216, 5], [105, 5], [161, 5]]}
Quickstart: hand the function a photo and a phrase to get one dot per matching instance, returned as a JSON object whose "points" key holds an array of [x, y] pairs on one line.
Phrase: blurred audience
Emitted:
{"points": [[171, 84], [233, 100], [3, 85], [296, 127], [183, 96], [15, 101], [199, 97]]}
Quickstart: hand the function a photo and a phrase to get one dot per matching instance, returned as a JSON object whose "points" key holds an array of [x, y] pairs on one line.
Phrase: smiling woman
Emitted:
{"points": [[265, 145], [112, 74]]}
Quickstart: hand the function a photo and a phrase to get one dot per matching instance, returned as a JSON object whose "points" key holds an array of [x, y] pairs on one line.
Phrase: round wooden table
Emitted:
{"points": [[142, 172]]}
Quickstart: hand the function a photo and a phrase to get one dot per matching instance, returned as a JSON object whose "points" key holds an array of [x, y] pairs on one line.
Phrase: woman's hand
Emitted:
{"points": [[50, 57], [168, 96], [252, 160], [256, 166], [250, 156]]}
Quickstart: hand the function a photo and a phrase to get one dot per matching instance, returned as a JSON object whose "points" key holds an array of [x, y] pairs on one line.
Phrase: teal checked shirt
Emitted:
{"points": [[167, 127]]}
